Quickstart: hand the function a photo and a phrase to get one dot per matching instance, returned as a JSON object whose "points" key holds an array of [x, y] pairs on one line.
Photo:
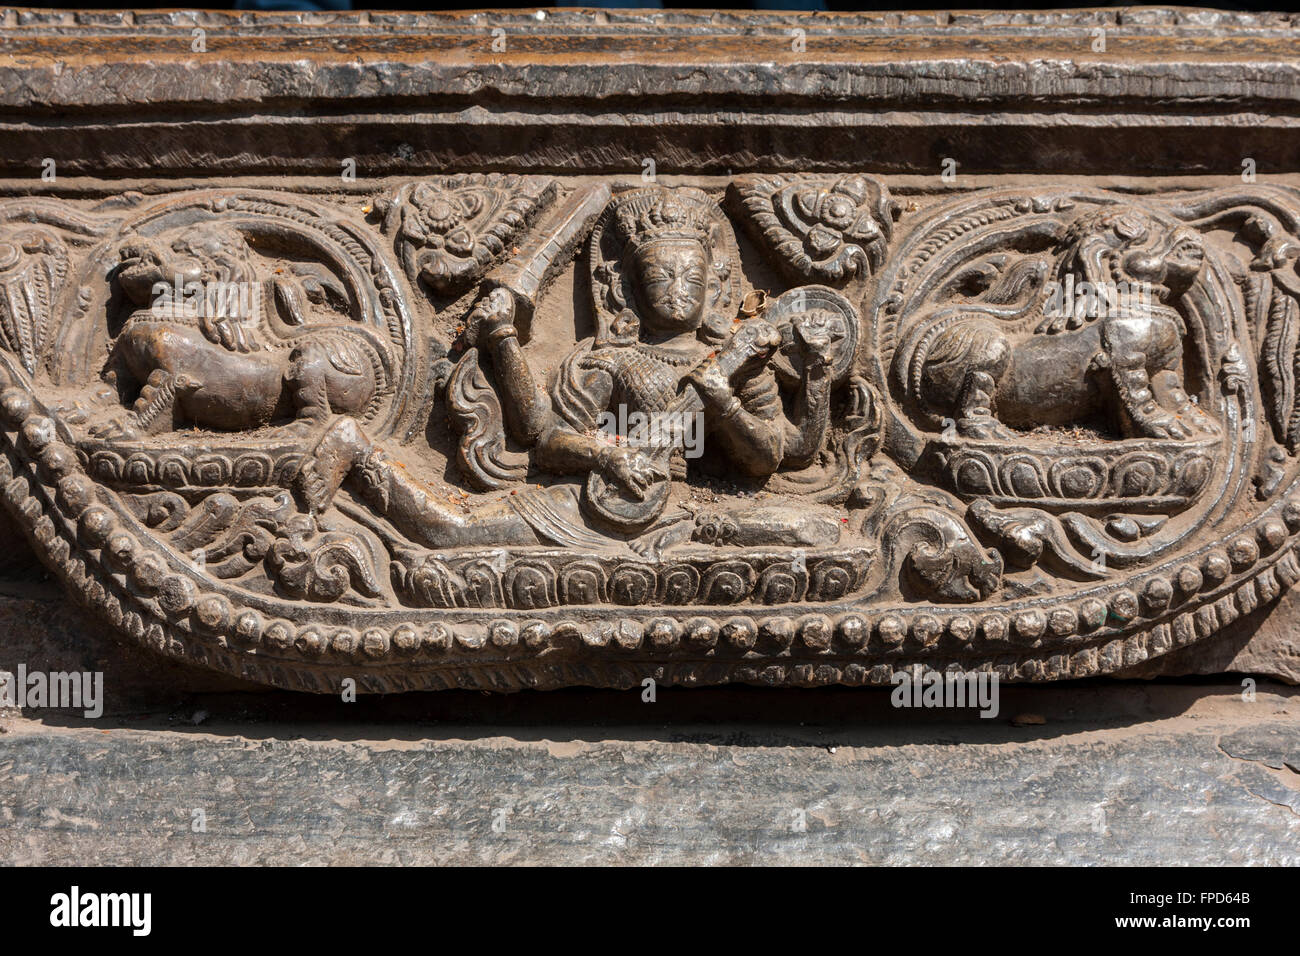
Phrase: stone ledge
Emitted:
{"points": [[1157, 775], [389, 90]]}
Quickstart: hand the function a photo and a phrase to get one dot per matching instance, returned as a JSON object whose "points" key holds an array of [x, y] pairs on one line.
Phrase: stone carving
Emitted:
{"points": [[216, 359], [505, 431], [662, 260], [33, 266], [475, 410], [1111, 349], [449, 231], [826, 228]]}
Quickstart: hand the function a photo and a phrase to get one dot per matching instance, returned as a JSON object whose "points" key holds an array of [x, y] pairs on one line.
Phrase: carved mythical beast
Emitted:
{"points": [[1114, 352], [228, 361]]}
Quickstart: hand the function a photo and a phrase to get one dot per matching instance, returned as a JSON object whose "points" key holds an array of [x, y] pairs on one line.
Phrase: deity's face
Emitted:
{"points": [[673, 279]]}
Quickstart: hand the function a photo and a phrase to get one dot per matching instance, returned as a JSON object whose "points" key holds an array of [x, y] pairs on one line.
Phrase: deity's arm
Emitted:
{"points": [[748, 423], [805, 432], [565, 451], [527, 408], [581, 393]]}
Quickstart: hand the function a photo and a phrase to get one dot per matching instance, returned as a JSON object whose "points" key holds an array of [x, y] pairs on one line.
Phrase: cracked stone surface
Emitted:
{"points": [[1116, 773]]}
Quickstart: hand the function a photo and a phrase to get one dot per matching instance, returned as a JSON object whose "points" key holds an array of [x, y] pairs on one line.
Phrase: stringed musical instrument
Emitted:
{"points": [[620, 507]]}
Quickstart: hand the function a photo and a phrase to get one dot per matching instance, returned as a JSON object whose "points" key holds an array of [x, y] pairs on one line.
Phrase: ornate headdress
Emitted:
{"points": [[647, 215]]}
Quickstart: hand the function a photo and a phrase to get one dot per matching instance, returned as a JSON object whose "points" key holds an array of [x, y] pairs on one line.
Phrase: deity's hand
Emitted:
{"points": [[713, 384], [819, 336], [750, 347], [744, 354], [494, 312], [747, 351], [629, 468]]}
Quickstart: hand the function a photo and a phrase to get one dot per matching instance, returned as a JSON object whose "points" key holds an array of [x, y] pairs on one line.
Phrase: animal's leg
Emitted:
{"points": [[343, 447], [1168, 386], [153, 412], [76, 411], [1142, 414], [977, 409], [118, 384], [308, 384], [119, 426], [961, 374], [155, 409], [119, 381], [308, 381], [1134, 346]]}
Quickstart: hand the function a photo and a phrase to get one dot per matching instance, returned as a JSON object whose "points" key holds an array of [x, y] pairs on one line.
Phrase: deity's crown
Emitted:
{"points": [[647, 215]]}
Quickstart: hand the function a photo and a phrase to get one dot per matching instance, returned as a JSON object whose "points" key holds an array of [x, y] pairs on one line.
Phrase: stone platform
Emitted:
{"points": [[1115, 774]]}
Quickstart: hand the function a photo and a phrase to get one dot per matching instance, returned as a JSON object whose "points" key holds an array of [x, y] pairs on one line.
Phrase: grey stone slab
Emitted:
{"points": [[1207, 779]]}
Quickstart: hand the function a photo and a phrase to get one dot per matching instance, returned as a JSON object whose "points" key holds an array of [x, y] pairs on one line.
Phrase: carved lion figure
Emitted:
{"points": [[1103, 341], [205, 342]]}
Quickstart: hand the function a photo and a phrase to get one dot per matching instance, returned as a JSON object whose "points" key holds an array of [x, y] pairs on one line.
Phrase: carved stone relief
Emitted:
{"points": [[501, 431]]}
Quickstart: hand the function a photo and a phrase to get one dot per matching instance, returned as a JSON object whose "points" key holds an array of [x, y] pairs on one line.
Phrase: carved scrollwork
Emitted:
{"points": [[315, 565], [476, 415]]}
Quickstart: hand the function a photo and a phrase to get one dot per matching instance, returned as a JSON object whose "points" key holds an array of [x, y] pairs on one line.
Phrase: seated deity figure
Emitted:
{"points": [[670, 343]]}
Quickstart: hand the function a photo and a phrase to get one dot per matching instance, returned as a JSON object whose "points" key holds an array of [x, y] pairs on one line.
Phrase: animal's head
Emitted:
{"points": [[202, 254], [820, 333], [1130, 246]]}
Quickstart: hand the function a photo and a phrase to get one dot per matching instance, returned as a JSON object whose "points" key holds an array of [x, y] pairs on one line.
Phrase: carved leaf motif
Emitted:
{"points": [[476, 414], [826, 228], [450, 230], [1028, 536], [941, 555], [1281, 361], [33, 265], [929, 550], [316, 566], [231, 538], [1267, 221]]}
